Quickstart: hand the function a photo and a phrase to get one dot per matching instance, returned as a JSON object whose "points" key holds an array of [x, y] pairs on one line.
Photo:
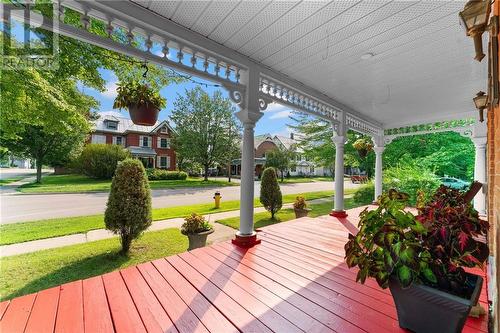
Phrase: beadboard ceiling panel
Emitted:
{"points": [[422, 64]]}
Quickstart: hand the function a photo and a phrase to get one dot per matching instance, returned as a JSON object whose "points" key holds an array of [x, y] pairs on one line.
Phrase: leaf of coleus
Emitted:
{"points": [[429, 275], [418, 227], [463, 238], [405, 276]]}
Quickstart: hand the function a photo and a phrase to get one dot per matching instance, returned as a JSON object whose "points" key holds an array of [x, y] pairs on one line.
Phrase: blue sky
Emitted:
{"points": [[274, 121]]}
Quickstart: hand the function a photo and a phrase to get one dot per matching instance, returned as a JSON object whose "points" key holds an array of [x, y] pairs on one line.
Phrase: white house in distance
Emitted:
{"points": [[264, 143]]}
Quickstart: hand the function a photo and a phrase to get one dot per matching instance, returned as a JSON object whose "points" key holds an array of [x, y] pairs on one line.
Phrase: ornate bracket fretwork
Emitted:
{"points": [[276, 92], [462, 126]]}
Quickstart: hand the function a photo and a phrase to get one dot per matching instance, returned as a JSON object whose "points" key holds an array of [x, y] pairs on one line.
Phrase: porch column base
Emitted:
{"points": [[245, 241], [338, 213]]}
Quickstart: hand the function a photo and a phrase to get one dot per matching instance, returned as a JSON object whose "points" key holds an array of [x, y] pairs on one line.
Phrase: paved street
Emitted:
{"points": [[29, 207]]}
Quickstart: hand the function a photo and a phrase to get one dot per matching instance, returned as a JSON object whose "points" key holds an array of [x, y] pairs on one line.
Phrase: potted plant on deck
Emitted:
{"points": [[422, 259], [142, 101], [300, 207], [197, 229]]}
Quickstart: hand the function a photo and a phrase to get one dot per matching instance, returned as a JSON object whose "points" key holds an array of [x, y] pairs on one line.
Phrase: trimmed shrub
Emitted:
{"points": [[100, 160], [270, 193], [365, 194], [128, 212], [160, 174]]}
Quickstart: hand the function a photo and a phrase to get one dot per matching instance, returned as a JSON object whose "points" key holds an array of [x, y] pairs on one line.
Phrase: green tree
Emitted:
{"points": [[45, 116], [445, 153], [204, 127], [318, 144], [128, 212], [279, 158], [43, 119], [270, 193]]}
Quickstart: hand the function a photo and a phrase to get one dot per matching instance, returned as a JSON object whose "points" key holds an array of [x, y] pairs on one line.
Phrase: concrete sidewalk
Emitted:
{"points": [[221, 233]]}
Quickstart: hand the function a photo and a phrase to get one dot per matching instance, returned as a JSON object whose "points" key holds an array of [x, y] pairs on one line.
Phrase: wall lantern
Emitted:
{"points": [[481, 103], [474, 18]]}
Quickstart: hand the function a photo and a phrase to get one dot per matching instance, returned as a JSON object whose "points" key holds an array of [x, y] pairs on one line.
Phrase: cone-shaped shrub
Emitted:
{"points": [[270, 193], [128, 211]]}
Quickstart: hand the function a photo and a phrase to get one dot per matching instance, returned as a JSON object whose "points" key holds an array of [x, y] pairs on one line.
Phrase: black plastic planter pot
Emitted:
{"points": [[423, 309]]}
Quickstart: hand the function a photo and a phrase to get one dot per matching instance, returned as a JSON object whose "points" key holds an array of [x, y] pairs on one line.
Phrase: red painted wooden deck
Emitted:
{"points": [[294, 281]]}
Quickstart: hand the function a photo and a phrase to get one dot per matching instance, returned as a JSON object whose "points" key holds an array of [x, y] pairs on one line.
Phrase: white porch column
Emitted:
{"points": [[480, 173], [248, 115], [338, 210], [378, 171]]}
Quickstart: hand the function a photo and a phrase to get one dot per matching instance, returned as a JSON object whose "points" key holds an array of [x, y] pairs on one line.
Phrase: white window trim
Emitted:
{"points": [[167, 165], [141, 141], [158, 143], [98, 138]]}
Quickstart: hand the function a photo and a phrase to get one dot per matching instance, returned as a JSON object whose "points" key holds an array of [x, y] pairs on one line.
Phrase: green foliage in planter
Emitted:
{"points": [[159, 174], [136, 93], [300, 202], [270, 193], [411, 179], [364, 194], [453, 227], [194, 224], [128, 211], [387, 244], [100, 160]]}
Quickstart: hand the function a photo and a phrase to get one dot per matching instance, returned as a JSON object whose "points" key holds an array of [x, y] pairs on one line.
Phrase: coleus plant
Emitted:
{"points": [[388, 244], [453, 227]]}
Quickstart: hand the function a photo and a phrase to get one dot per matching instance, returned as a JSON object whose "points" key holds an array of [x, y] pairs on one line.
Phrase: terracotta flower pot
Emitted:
{"points": [[301, 212], [199, 239], [143, 115], [423, 309]]}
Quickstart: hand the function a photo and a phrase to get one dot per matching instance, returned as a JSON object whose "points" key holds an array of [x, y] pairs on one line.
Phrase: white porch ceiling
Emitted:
{"points": [[422, 68]]}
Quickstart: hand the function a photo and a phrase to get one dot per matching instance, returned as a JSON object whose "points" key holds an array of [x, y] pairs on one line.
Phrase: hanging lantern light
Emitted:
{"points": [[474, 18], [481, 103]]}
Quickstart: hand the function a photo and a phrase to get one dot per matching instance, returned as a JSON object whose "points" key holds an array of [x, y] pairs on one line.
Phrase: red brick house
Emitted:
{"points": [[150, 144]]}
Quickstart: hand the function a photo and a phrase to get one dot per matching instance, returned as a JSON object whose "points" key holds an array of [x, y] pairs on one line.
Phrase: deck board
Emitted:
{"points": [[295, 280]]}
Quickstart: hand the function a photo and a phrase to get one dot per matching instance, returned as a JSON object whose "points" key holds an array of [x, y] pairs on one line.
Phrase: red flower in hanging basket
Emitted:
{"points": [[143, 102]]}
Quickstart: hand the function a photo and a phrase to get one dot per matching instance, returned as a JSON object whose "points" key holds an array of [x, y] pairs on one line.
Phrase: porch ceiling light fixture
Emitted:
{"points": [[367, 56], [481, 103], [474, 18]]}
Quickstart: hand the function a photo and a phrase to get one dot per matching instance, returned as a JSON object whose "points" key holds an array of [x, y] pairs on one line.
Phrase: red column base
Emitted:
{"points": [[339, 214], [245, 241]]}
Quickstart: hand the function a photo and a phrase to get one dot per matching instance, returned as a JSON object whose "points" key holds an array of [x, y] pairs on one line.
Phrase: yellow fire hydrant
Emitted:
{"points": [[217, 198]]}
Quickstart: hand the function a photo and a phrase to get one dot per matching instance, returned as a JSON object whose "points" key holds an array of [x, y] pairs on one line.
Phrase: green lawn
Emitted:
{"points": [[28, 273], [27, 231], [80, 184], [293, 180], [264, 219], [6, 181]]}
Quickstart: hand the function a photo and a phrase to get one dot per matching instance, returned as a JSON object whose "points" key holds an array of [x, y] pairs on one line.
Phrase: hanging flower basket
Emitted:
{"points": [[142, 101], [363, 146]]}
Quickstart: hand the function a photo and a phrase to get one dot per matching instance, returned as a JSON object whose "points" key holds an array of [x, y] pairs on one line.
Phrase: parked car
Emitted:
{"points": [[455, 183]]}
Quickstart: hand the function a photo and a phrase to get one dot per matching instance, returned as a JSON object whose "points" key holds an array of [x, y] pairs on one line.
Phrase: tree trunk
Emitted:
{"points": [[206, 172], [229, 172], [126, 241], [282, 172], [38, 170]]}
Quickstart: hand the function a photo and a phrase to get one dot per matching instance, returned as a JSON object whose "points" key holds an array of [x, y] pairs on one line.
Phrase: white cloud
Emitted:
{"points": [[281, 114], [110, 91], [274, 107]]}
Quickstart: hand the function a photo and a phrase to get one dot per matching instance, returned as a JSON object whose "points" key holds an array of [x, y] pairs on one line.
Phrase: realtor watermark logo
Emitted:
{"points": [[28, 37]]}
